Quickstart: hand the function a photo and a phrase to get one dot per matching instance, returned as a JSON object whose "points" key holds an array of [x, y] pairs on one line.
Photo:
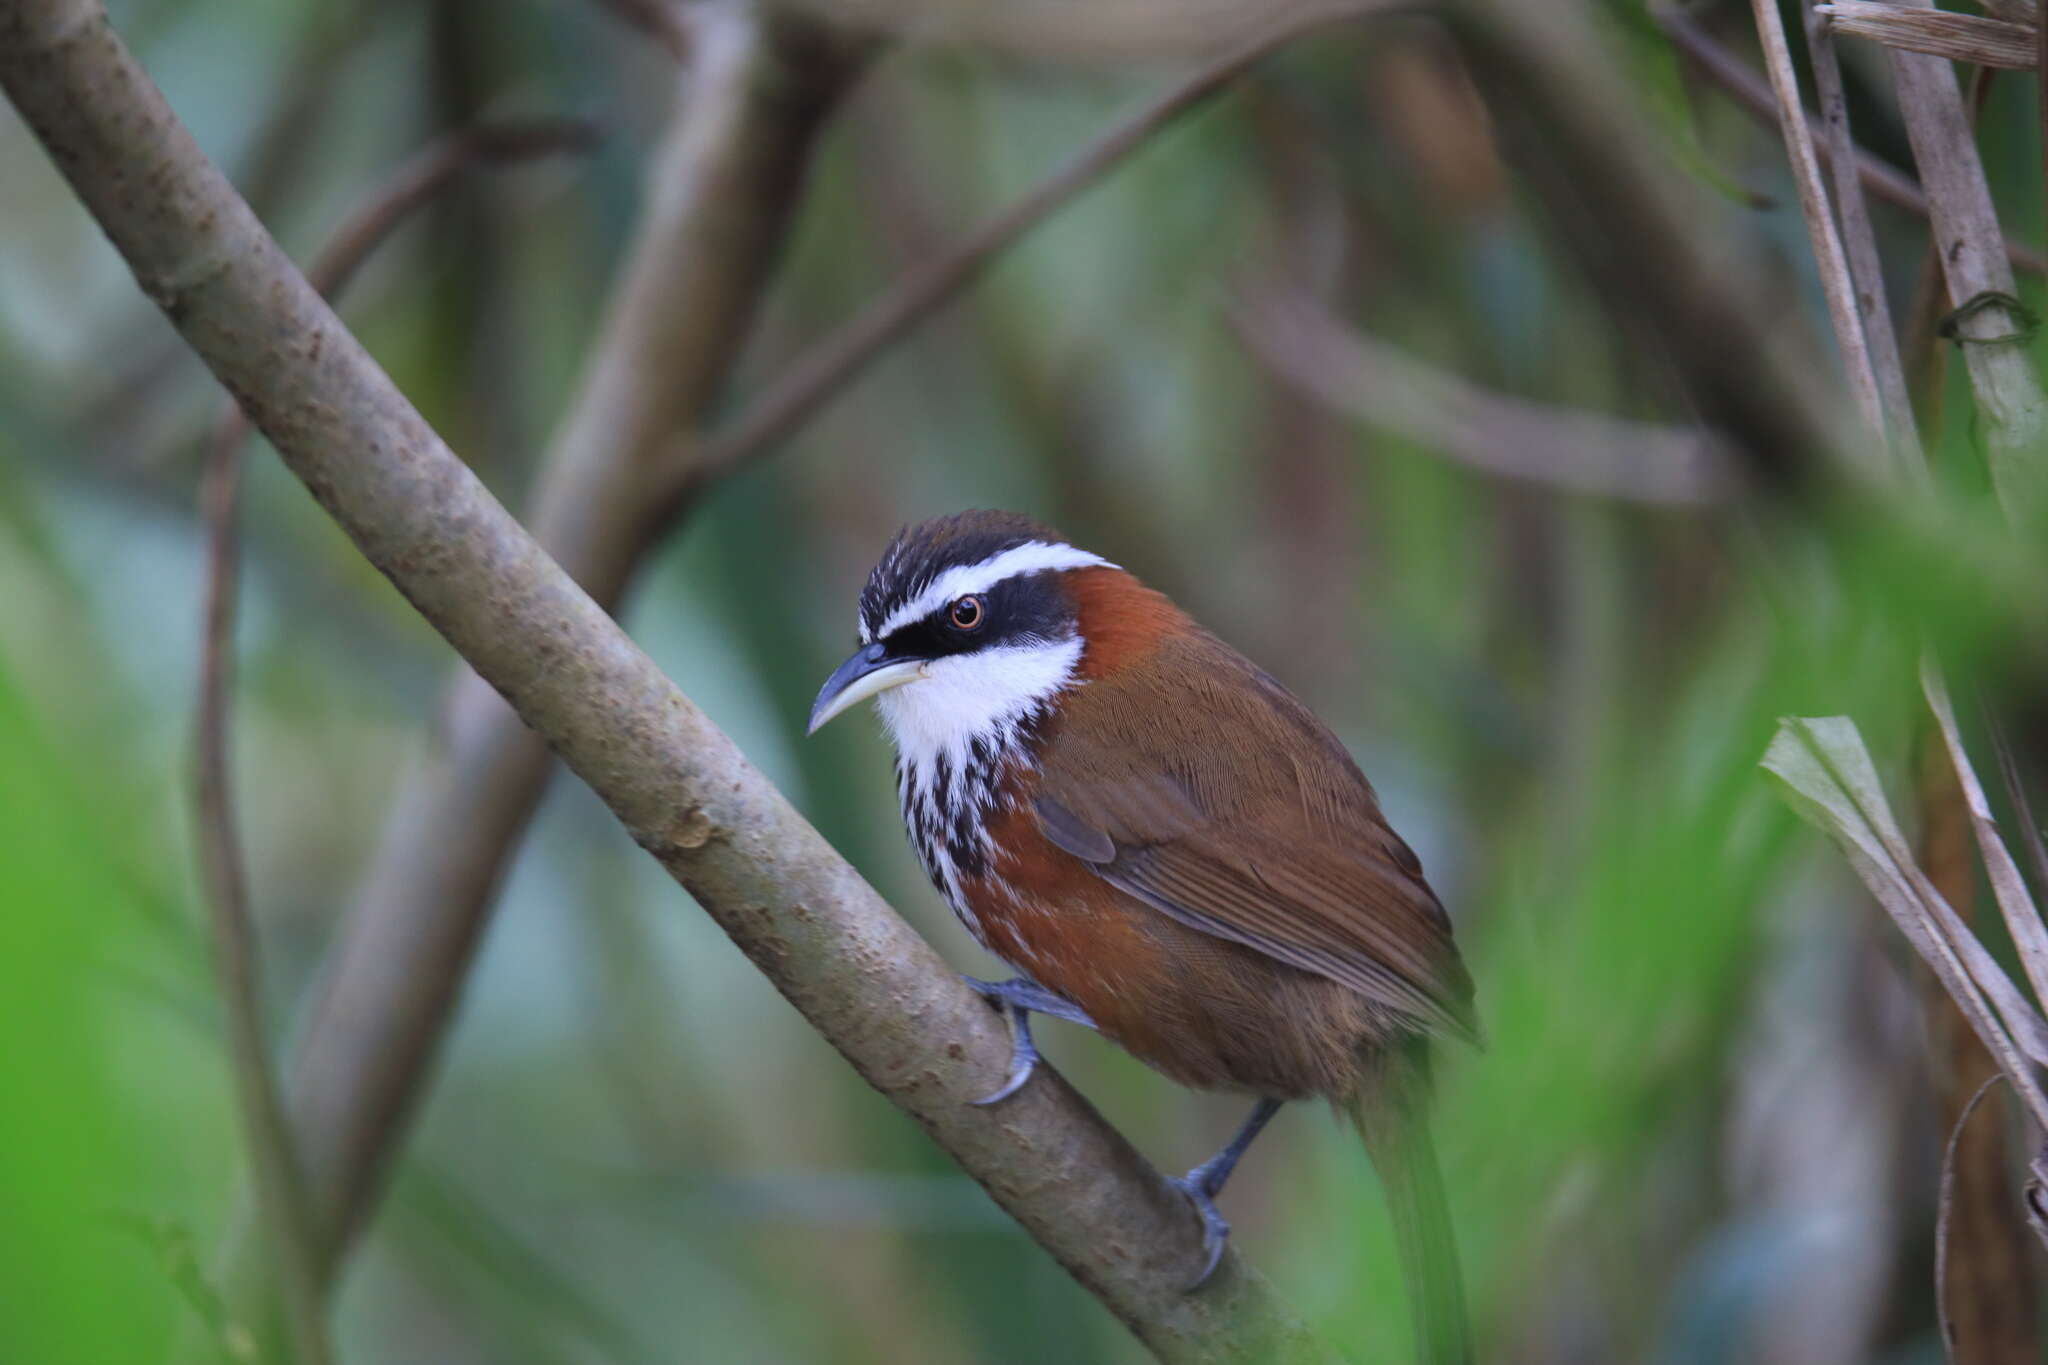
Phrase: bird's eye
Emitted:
{"points": [[967, 614]]}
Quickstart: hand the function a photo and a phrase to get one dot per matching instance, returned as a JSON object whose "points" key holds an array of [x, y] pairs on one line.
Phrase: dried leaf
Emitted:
{"points": [[1939, 33], [2015, 903], [1830, 780]]}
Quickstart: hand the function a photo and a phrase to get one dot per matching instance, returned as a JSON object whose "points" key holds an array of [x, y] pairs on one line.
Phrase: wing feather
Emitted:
{"points": [[1228, 806]]}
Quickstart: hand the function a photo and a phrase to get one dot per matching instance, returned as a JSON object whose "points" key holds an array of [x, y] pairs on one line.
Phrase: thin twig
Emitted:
{"points": [[282, 1193], [2022, 804], [281, 1176], [1580, 452], [1946, 1205], [828, 365], [1859, 240], [859, 974], [2022, 920], [1753, 94], [413, 183], [1830, 259], [720, 189]]}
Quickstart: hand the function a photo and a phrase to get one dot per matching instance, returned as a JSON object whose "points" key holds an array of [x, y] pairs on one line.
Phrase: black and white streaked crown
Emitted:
{"points": [[959, 551]]}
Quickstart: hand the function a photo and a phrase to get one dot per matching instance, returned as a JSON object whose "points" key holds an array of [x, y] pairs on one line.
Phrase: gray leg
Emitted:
{"points": [[1205, 1182], [1020, 998]]}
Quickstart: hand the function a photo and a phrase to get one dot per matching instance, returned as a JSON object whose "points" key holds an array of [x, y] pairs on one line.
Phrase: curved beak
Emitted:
{"points": [[869, 671]]}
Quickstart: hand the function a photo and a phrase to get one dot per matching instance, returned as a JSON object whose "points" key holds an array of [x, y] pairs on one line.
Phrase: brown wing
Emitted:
{"points": [[1226, 804]]}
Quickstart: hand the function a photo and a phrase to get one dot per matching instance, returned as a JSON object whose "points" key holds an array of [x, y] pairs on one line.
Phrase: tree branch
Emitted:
{"points": [[857, 972], [1753, 94], [622, 471], [273, 1158], [750, 100], [1988, 320], [1554, 89], [823, 370], [1580, 452], [300, 1268]]}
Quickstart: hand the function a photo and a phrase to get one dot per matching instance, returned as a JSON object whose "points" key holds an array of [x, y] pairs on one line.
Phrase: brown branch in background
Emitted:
{"points": [[1982, 1335], [828, 365], [1859, 241], [750, 101], [1831, 259], [857, 972], [1753, 94], [497, 143], [1580, 452], [616, 478], [293, 1239], [273, 1159], [1557, 95], [1988, 323]]}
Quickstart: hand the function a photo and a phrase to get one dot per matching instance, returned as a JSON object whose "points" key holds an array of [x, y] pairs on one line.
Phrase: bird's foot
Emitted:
{"points": [[1205, 1182], [1200, 1186], [1020, 999]]}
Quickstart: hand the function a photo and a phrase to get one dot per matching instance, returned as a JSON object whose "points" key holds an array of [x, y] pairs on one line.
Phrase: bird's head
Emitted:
{"points": [[967, 625]]}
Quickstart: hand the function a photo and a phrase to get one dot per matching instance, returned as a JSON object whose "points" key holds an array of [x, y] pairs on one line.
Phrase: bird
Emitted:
{"points": [[1166, 846]]}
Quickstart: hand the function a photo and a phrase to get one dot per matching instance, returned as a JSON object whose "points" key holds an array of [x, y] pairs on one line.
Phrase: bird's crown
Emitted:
{"points": [[937, 561]]}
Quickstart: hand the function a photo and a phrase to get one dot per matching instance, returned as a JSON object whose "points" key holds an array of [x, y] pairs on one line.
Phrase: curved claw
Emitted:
{"points": [[1215, 1228], [1023, 1055]]}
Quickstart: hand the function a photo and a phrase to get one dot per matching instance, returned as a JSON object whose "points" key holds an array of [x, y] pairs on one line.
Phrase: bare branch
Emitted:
{"points": [[380, 213], [415, 182], [750, 100], [281, 1191], [614, 482], [1988, 319], [1753, 94], [293, 1238], [1945, 1206], [856, 971], [1830, 258], [1866, 267], [1554, 88], [1581, 452], [824, 369]]}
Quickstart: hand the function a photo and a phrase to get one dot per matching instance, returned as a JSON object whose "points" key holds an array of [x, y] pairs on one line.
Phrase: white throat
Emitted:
{"points": [[986, 695]]}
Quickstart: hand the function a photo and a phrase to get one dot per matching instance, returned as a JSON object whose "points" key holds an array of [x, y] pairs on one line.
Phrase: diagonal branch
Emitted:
{"points": [[835, 950], [280, 1182], [621, 472], [1753, 94], [283, 1196], [835, 361], [1581, 452], [750, 102]]}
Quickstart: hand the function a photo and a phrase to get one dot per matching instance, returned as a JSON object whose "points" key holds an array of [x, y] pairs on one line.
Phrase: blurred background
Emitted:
{"points": [[1708, 1124]]}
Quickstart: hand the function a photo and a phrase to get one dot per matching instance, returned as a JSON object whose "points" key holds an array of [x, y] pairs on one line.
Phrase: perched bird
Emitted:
{"points": [[1165, 846]]}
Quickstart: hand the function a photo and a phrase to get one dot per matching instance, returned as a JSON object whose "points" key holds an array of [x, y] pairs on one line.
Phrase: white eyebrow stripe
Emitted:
{"points": [[1035, 556]]}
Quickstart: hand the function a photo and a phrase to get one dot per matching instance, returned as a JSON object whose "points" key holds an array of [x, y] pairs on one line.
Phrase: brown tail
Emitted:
{"points": [[1391, 1115]]}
